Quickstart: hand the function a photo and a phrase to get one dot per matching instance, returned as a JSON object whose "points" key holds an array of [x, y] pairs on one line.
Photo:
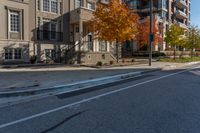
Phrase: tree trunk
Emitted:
{"points": [[191, 54], [117, 51], [174, 52], [79, 53]]}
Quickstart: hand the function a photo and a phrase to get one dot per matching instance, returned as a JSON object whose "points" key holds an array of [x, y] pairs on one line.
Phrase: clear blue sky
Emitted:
{"points": [[195, 12]]}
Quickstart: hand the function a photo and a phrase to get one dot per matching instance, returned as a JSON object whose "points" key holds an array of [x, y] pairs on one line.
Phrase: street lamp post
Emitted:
{"points": [[151, 36]]}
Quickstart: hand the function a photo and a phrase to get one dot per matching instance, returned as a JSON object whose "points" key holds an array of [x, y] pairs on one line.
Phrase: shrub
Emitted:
{"points": [[146, 54], [99, 63], [33, 59], [158, 54], [111, 62], [133, 60], [105, 64]]}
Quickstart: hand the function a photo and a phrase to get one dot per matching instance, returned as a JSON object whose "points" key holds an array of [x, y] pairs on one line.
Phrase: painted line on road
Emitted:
{"points": [[89, 99]]}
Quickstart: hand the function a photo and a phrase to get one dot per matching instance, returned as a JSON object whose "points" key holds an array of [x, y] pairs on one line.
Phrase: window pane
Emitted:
{"points": [[46, 34], [91, 5], [61, 8], [50, 54], [14, 21], [38, 4], [77, 3], [102, 46], [18, 54], [8, 53], [53, 31], [54, 6], [46, 5]]}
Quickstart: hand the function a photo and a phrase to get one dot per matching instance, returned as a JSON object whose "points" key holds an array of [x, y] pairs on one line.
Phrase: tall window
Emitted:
{"points": [[165, 4], [134, 4], [38, 4], [49, 29], [46, 33], [91, 5], [77, 3], [46, 6], [90, 43], [53, 31], [8, 54], [50, 6], [54, 6], [17, 53], [50, 54], [14, 21], [102, 46], [61, 8]]}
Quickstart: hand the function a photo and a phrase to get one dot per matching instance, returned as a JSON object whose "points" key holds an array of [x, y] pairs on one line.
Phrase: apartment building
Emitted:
{"points": [[166, 12], [14, 35], [52, 30]]}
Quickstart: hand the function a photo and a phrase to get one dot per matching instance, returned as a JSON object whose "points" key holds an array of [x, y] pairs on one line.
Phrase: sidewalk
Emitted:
{"points": [[43, 77]]}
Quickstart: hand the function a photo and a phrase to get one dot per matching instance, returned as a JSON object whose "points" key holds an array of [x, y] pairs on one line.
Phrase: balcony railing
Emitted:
{"points": [[43, 35], [181, 3], [182, 25], [181, 14]]}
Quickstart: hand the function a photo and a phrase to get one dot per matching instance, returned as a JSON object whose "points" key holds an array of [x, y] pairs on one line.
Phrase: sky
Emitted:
{"points": [[195, 12]]}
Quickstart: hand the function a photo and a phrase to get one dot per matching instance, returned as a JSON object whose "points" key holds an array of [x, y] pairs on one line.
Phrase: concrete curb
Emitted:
{"points": [[76, 87], [35, 65], [113, 66]]}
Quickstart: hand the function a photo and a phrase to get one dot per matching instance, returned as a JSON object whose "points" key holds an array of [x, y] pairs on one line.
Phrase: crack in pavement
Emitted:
{"points": [[62, 122]]}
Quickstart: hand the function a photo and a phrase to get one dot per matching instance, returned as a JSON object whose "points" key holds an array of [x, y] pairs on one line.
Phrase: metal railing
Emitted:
{"points": [[43, 35]]}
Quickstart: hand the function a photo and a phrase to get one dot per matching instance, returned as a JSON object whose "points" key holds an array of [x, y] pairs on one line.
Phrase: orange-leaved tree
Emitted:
{"points": [[114, 22], [144, 31]]}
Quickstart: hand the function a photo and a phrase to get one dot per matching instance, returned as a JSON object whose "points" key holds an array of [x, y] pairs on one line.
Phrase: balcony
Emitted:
{"points": [[182, 25], [81, 13], [181, 3], [43, 35], [180, 14]]}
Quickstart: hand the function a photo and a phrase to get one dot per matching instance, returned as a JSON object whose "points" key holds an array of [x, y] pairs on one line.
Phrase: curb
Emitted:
{"points": [[34, 65], [77, 87], [113, 66]]}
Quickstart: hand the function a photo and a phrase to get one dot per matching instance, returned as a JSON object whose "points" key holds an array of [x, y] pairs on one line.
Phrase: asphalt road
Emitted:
{"points": [[160, 102]]}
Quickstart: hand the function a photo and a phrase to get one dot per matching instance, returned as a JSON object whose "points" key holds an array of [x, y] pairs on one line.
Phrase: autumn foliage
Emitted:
{"points": [[144, 30], [114, 22]]}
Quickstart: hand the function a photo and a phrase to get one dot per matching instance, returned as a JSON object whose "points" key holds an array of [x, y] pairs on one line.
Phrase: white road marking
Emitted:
{"points": [[196, 73], [89, 99]]}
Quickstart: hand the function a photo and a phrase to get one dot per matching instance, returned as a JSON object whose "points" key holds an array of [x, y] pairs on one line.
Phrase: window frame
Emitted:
{"points": [[9, 50], [14, 12], [47, 5], [12, 53], [50, 8], [90, 5], [77, 4], [16, 53], [103, 46], [50, 54], [54, 8], [50, 31]]}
